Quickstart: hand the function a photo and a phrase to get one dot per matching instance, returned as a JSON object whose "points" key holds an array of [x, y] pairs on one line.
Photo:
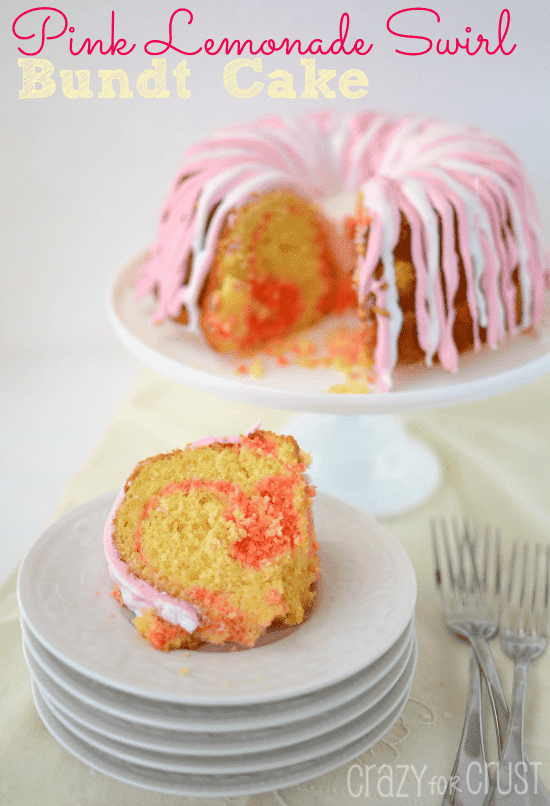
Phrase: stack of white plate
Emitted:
{"points": [[218, 723]]}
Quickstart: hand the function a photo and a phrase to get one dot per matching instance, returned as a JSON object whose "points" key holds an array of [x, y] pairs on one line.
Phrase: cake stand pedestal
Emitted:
{"points": [[367, 460], [362, 454]]}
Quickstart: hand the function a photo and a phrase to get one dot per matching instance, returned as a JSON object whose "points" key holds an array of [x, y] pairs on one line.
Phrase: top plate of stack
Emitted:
{"points": [[365, 601]]}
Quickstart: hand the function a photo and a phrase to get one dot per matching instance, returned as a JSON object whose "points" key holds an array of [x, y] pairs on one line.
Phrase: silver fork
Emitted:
{"points": [[470, 608], [523, 638]]}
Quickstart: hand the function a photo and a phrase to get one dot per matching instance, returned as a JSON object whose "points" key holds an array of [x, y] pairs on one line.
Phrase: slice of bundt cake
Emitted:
{"points": [[215, 543]]}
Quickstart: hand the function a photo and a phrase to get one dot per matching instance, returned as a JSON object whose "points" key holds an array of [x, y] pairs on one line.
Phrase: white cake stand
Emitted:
{"points": [[363, 454]]}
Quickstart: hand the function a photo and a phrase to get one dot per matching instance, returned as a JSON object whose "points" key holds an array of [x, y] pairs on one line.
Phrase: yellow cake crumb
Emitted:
{"points": [[257, 368], [350, 388]]}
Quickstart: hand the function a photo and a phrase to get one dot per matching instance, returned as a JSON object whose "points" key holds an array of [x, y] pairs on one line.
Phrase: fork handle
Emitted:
{"points": [[499, 706], [471, 750], [516, 781]]}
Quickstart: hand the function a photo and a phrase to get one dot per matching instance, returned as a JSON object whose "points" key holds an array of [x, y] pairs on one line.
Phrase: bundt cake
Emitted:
{"points": [[215, 543], [444, 251]]}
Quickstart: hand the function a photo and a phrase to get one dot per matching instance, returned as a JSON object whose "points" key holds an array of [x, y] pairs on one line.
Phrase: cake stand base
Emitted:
{"points": [[368, 461]]}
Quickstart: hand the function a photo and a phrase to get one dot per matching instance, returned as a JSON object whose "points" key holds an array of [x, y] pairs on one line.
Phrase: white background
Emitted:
{"points": [[83, 179]]}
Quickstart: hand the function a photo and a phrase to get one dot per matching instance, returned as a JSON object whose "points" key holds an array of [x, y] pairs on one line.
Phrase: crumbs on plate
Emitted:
{"points": [[342, 350]]}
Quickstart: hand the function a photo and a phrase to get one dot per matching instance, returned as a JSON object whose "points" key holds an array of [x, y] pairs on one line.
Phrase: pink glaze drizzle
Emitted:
{"points": [[417, 166], [137, 594]]}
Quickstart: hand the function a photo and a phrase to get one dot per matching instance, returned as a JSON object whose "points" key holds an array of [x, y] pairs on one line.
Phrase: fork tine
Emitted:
{"points": [[498, 568], [545, 611], [472, 545], [447, 552], [485, 566], [511, 611], [535, 606], [524, 573], [435, 552], [511, 573], [459, 545], [535, 576]]}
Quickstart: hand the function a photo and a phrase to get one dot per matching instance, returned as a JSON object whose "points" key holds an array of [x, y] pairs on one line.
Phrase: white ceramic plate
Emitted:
{"points": [[226, 743], [158, 719], [188, 359], [223, 785], [365, 600], [288, 752]]}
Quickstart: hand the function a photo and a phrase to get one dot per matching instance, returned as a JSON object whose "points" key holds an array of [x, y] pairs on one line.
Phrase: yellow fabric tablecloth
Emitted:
{"points": [[496, 460]]}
